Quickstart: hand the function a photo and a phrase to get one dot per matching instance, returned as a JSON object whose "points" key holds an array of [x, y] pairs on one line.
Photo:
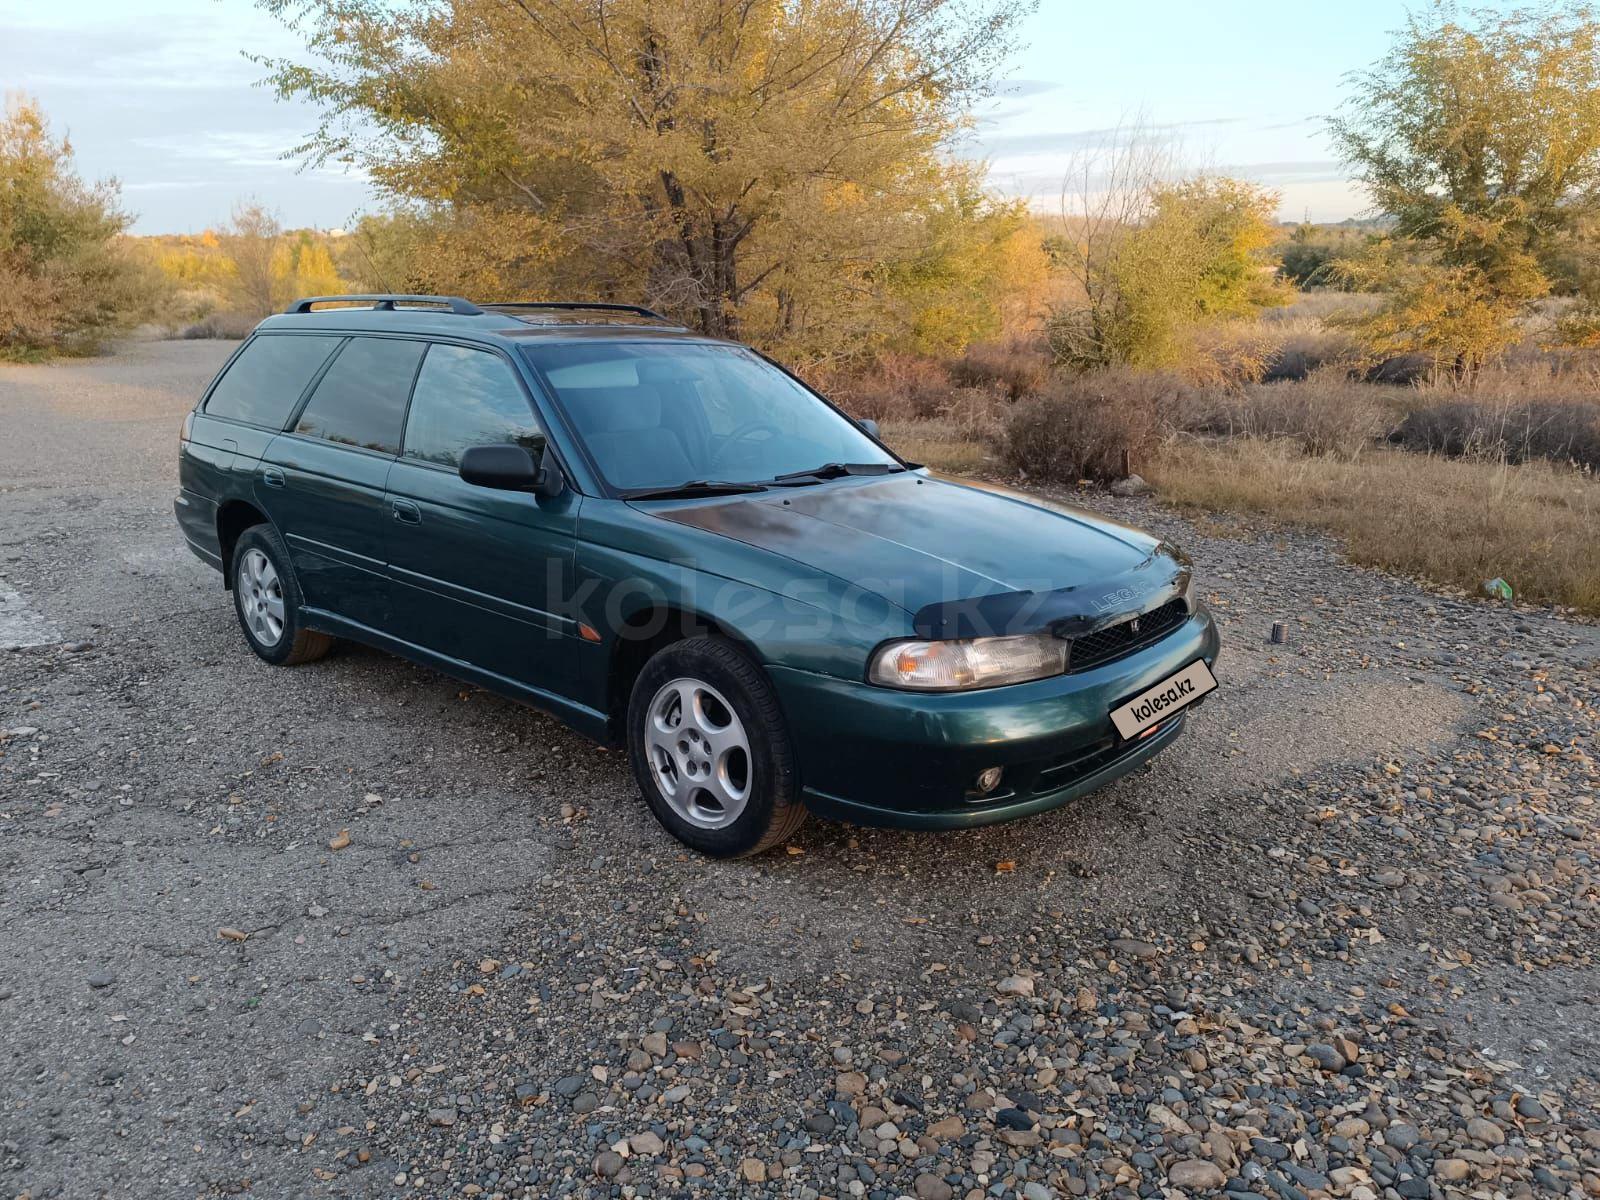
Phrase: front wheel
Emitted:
{"points": [[710, 750]]}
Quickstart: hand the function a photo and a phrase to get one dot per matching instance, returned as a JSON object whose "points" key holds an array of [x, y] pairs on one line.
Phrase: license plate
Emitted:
{"points": [[1156, 704]]}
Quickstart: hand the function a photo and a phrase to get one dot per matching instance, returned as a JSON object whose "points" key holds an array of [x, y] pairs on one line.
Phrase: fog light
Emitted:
{"points": [[989, 780]]}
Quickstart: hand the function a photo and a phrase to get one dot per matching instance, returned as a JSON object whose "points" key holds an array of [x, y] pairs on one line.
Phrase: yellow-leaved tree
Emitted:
{"points": [[1479, 135], [772, 169], [1155, 261]]}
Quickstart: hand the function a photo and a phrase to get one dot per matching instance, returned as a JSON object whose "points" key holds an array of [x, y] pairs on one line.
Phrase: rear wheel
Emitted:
{"points": [[710, 750], [266, 598]]}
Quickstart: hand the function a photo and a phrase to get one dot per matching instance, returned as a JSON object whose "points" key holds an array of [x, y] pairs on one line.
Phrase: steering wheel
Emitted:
{"points": [[747, 431]]}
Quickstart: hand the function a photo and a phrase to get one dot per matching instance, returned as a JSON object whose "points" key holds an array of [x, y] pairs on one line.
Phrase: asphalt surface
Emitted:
{"points": [[1339, 940]]}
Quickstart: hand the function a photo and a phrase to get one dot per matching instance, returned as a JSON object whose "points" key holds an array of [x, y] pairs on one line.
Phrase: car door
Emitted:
{"points": [[480, 575], [323, 480]]}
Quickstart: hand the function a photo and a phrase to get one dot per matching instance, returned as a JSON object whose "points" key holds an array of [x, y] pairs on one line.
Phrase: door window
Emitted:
{"points": [[265, 382], [467, 398], [361, 401]]}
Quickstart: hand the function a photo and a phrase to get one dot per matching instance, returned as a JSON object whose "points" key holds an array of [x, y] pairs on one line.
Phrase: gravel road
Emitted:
{"points": [[1340, 940]]}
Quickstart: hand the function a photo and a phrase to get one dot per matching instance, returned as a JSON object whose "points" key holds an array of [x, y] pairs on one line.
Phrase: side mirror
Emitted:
{"points": [[869, 425], [510, 468]]}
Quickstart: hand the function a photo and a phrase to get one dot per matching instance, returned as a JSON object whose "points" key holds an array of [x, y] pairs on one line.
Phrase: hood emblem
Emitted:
{"points": [[1133, 625]]}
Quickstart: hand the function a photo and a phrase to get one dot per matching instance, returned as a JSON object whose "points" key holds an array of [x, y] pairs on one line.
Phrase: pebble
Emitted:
{"points": [[1015, 985], [1134, 948], [1402, 1136], [1485, 1132], [1196, 1173]]}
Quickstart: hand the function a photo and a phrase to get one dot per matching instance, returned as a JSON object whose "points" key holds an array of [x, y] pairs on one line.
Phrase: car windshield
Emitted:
{"points": [[657, 415]]}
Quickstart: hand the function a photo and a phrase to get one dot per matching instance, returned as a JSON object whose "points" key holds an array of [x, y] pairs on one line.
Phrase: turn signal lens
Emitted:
{"points": [[953, 666]]}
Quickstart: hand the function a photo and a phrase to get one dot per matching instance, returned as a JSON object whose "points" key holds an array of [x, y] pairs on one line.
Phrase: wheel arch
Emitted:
{"points": [[233, 518], [645, 632]]}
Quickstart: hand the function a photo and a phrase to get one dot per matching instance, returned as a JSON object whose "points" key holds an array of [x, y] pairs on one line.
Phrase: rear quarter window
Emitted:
{"points": [[361, 401], [262, 385]]}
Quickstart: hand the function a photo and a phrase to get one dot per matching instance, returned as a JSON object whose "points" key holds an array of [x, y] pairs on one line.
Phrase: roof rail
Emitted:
{"points": [[637, 310], [385, 302]]}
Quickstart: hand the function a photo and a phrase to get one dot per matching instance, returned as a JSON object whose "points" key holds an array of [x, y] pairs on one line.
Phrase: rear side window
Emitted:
{"points": [[361, 401], [262, 385], [466, 398]]}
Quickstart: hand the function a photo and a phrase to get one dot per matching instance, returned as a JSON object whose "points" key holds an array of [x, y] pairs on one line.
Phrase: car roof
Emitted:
{"points": [[451, 317]]}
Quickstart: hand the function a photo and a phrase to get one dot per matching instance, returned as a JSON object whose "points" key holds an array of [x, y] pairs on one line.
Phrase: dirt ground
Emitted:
{"points": [[1339, 940]]}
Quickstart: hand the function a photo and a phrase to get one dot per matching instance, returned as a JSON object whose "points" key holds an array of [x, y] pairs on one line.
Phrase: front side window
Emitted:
{"points": [[466, 398], [361, 401], [654, 415], [262, 385]]}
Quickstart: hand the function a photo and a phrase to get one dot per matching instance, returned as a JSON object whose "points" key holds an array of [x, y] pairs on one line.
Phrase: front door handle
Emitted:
{"points": [[405, 512], [272, 477]]}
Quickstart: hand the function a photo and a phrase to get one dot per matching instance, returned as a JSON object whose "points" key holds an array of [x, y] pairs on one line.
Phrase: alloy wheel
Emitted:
{"points": [[699, 753], [260, 593]]}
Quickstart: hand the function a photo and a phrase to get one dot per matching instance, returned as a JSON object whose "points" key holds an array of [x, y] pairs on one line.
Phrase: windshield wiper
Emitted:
{"points": [[835, 470], [693, 487]]}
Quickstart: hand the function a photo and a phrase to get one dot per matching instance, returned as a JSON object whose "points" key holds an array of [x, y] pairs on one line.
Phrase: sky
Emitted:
{"points": [[157, 94]]}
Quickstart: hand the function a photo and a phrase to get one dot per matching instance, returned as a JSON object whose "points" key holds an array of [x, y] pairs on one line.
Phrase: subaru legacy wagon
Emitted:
{"points": [[672, 544]]}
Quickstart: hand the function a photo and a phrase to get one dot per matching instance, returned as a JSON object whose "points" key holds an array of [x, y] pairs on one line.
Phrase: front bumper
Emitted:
{"points": [[875, 756]]}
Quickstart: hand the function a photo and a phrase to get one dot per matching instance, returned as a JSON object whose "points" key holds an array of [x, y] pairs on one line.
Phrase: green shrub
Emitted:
{"points": [[67, 281]]}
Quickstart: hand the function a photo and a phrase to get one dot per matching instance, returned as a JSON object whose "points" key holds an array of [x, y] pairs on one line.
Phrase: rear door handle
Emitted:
{"points": [[405, 512], [272, 477]]}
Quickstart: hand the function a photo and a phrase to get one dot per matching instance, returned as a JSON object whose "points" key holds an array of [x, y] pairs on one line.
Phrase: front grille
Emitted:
{"points": [[1118, 641]]}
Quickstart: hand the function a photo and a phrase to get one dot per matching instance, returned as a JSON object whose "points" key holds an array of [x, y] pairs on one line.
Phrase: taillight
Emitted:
{"points": [[188, 425]]}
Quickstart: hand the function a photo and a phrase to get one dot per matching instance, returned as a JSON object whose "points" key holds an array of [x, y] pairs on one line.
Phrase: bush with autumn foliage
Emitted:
{"points": [[67, 279]]}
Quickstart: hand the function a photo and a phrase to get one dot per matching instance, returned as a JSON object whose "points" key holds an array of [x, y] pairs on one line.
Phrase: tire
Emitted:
{"points": [[690, 772], [266, 599]]}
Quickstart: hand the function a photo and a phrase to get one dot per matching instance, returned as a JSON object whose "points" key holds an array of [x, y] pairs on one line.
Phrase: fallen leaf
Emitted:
{"points": [[1005, 867], [228, 933], [339, 840]]}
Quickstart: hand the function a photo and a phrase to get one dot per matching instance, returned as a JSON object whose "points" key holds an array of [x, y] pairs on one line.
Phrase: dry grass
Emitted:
{"points": [[942, 445], [1326, 413], [229, 326], [1455, 521], [1015, 368], [897, 387], [1561, 431]]}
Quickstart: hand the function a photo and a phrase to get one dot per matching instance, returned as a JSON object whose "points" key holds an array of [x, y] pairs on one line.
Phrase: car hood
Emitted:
{"points": [[964, 558]]}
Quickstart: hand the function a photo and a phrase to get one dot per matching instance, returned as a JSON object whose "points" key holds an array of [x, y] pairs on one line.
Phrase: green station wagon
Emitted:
{"points": [[672, 544]]}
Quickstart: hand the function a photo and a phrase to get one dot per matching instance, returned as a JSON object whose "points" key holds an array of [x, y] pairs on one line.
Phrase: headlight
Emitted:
{"points": [[954, 666]]}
